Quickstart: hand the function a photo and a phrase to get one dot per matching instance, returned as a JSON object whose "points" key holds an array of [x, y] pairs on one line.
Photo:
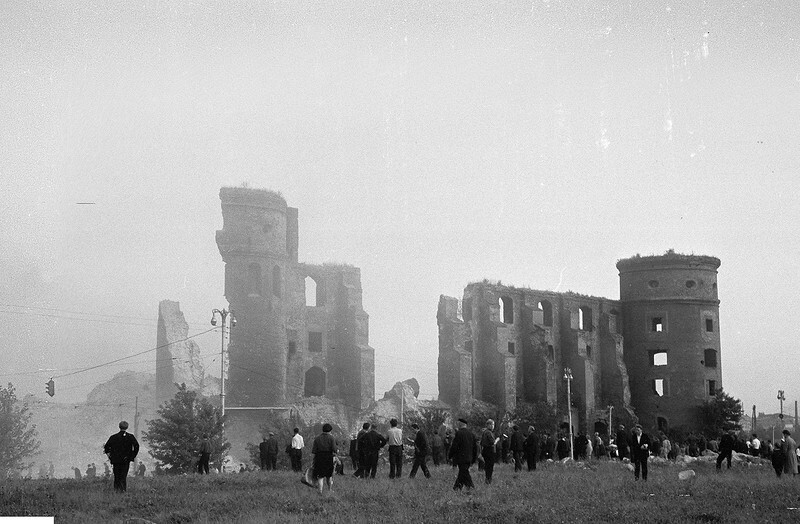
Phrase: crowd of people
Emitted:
{"points": [[462, 448]]}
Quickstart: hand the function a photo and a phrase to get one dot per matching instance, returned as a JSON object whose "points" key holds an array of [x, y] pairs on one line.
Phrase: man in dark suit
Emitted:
{"points": [[262, 452], [517, 447], [640, 451], [622, 442], [420, 442], [370, 444], [463, 453], [121, 449]]}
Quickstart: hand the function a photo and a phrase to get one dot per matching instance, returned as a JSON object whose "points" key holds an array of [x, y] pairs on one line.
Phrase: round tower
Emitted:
{"points": [[671, 331], [253, 244]]}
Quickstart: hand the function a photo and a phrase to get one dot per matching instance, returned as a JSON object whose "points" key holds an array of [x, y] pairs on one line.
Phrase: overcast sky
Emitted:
{"points": [[429, 143]]}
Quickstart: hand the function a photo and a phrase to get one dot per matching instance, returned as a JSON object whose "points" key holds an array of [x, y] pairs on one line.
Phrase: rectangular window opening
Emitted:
{"points": [[709, 325], [315, 341], [712, 388], [658, 358], [512, 348], [658, 324], [551, 353], [588, 351], [468, 346]]}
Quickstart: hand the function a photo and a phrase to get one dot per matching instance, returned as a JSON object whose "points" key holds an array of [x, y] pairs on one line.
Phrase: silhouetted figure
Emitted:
{"points": [[141, 470], [463, 453], [369, 445], [531, 447], [420, 453], [205, 455], [121, 449], [725, 449], [324, 450], [623, 442], [437, 446], [487, 446], [78, 472], [640, 449]]}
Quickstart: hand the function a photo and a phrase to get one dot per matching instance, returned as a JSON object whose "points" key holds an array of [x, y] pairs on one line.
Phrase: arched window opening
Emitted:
{"points": [[547, 312], [315, 382], [506, 310], [311, 292], [277, 283], [254, 279], [585, 318]]}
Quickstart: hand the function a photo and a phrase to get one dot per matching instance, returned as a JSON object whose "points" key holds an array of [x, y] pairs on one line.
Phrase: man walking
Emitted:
{"points": [[725, 449], [395, 440], [640, 449], [121, 449], [437, 444], [297, 450], [463, 453], [420, 453]]}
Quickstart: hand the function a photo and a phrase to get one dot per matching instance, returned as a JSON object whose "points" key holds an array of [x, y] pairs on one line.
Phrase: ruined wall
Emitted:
{"points": [[283, 349], [177, 359], [522, 340]]}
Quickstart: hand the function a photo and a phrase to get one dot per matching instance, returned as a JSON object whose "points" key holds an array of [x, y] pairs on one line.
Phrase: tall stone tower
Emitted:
{"points": [[257, 241], [671, 330]]}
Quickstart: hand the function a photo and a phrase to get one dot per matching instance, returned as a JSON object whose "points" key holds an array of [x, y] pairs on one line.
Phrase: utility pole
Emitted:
{"points": [[568, 378], [753, 420], [781, 397], [224, 314], [795, 415], [136, 420]]}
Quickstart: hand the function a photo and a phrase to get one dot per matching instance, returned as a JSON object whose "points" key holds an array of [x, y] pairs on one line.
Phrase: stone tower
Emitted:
{"points": [[257, 241], [671, 330]]}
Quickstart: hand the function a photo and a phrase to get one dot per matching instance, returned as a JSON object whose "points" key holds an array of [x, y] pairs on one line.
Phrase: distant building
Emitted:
{"points": [[284, 348], [655, 350]]}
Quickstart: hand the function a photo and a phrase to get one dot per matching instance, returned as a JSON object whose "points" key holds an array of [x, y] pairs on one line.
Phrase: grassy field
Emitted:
{"points": [[603, 492]]}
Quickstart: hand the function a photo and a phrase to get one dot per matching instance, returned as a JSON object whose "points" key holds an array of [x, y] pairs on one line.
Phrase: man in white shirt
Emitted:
{"points": [[395, 440], [297, 451], [755, 446]]}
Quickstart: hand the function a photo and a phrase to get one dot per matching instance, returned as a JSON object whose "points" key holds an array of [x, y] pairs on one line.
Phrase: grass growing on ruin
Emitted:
{"points": [[606, 492]]}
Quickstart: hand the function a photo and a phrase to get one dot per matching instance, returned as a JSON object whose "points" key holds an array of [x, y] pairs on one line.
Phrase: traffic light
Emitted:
{"points": [[50, 387]]}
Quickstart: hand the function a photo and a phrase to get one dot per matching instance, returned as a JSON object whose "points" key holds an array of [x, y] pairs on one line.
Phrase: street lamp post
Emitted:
{"points": [[610, 409], [781, 397], [568, 377], [224, 314]]}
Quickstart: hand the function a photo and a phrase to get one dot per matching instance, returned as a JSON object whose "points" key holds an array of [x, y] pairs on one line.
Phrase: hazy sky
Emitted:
{"points": [[429, 143]]}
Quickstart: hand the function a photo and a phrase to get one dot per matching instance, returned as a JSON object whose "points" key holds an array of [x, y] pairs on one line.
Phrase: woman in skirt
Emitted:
{"points": [[324, 450]]}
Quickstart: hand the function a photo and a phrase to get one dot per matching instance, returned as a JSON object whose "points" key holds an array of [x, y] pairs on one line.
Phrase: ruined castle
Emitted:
{"points": [[656, 350], [285, 347]]}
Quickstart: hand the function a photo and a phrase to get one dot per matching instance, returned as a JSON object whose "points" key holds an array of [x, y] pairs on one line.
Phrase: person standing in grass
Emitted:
{"points": [[437, 444], [488, 443], [531, 445], [789, 449], [395, 440], [420, 452], [121, 448], [463, 453], [324, 449], [623, 442], [640, 449], [359, 462], [296, 454], [517, 447], [205, 455], [448, 441], [369, 445]]}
